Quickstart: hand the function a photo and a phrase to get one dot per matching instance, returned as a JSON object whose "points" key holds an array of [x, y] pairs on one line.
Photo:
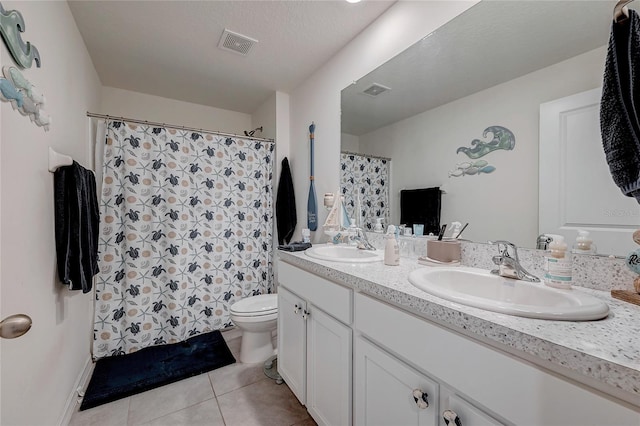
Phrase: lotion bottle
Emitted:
{"points": [[584, 244], [391, 248], [558, 264]]}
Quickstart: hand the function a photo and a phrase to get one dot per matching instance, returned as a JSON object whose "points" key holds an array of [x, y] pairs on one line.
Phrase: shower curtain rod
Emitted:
{"points": [[155, 123], [365, 155]]}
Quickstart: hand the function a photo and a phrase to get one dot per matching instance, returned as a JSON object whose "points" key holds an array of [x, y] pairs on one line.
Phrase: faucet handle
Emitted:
{"points": [[503, 247]]}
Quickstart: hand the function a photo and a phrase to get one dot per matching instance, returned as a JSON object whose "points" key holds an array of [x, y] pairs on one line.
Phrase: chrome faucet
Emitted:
{"points": [[542, 243], [361, 239], [510, 266]]}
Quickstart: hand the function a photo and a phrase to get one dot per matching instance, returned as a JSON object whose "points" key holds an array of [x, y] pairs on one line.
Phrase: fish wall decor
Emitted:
{"points": [[472, 168], [24, 96]]}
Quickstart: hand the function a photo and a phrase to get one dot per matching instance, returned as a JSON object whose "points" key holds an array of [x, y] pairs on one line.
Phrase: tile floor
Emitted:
{"points": [[235, 395]]}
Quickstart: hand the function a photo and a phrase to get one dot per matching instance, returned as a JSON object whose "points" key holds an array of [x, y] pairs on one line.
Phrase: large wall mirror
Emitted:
{"points": [[480, 80]]}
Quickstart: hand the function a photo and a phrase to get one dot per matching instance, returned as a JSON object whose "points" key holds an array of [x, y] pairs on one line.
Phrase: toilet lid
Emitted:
{"points": [[263, 304]]}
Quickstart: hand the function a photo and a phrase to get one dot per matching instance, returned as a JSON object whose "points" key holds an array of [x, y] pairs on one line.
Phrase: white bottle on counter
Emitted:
{"points": [[584, 244], [558, 264], [378, 226], [391, 248]]}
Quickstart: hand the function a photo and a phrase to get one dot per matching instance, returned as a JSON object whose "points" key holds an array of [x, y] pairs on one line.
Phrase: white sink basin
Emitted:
{"points": [[343, 253], [481, 289]]}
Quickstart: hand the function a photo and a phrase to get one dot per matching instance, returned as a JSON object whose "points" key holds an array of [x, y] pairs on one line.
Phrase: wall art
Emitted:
{"points": [[23, 96], [502, 138], [11, 25], [469, 168]]}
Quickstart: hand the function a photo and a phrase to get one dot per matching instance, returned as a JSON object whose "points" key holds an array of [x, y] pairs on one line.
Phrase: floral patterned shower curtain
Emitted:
{"points": [[369, 177], [186, 231]]}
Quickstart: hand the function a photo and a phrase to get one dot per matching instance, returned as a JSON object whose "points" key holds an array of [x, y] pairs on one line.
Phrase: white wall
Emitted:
{"points": [[39, 370], [265, 116], [349, 143], [500, 205], [125, 103], [318, 98]]}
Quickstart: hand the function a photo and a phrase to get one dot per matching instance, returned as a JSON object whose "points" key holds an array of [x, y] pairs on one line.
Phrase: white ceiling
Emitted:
{"points": [[169, 48]]}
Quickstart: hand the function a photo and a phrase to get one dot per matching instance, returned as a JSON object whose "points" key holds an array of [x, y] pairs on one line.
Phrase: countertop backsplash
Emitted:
{"points": [[589, 271]]}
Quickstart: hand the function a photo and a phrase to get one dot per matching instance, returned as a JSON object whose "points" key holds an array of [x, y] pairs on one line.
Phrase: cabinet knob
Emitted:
{"points": [[296, 309], [420, 398], [305, 314], [450, 417]]}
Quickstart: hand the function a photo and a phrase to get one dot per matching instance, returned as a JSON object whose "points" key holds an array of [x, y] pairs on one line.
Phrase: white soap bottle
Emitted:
{"points": [[391, 248], [558, 264], [584, 244]]}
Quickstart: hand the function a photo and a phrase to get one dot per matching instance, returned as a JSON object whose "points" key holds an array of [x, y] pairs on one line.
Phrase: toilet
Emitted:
{"points": [[257, 317]]}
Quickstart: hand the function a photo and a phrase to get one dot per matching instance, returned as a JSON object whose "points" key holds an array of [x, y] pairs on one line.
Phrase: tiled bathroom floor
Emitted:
{"points": [[235, 395]]}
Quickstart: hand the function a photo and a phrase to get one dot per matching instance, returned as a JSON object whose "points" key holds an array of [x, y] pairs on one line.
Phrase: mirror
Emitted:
{"points": [[473, 82]]}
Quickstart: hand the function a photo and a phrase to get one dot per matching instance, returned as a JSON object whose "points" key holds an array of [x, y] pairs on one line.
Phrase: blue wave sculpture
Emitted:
{"points": [[11, 25], [503, 138]]}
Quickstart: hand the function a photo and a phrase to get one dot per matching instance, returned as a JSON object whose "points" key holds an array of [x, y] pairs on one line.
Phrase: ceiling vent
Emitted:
{"points": [[237, 43], [375, 89]]}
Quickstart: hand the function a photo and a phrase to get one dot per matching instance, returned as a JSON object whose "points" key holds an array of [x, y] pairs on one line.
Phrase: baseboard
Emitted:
{"points": [[74, 398]]}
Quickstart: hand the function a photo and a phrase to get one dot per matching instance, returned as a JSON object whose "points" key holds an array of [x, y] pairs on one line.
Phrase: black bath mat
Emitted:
{"points": [[125, 375]]}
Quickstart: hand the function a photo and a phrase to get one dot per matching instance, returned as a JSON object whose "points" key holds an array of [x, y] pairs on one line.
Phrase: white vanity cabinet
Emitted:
{"points": [[315, 343], [396, 353], [483, 385]]}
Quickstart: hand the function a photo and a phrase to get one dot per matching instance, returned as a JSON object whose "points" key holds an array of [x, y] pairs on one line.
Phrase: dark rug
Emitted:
{"points": [[117, 377]]}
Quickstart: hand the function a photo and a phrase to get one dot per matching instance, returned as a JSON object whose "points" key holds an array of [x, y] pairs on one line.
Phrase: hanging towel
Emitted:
{"points": [[421, 206], [620, 105], [76, 221], [286, 218]]}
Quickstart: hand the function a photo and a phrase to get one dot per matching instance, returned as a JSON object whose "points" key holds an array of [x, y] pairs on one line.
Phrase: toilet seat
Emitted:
{"points": [[256, 306]]}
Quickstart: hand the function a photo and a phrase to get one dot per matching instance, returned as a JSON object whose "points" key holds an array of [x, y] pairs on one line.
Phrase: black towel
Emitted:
{"points": [[286, 217], [76, 220], [421, 206], [620, 105]]}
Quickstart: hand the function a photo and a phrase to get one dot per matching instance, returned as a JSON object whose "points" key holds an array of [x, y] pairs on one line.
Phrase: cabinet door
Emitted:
{"points": [[292, 337], [384, 390], [328, 369], [467, 414]]}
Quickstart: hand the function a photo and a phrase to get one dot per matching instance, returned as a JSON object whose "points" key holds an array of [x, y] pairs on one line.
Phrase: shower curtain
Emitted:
{"points": [[368, 177], [186, 231]]}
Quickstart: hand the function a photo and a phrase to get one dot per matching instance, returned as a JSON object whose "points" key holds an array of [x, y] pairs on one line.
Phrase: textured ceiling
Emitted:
{"points": [[492, 42], [169, 48]]}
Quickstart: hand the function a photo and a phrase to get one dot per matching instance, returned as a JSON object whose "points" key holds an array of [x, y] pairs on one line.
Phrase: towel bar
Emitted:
{"points": [[57, 160]]}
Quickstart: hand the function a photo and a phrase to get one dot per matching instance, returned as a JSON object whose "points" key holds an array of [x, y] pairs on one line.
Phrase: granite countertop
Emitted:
{"points": [[607, 351]]}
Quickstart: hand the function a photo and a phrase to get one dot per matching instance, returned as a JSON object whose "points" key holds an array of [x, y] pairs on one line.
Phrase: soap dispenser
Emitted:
{"points": [[584, 244], [558, 264], [391, 248]]}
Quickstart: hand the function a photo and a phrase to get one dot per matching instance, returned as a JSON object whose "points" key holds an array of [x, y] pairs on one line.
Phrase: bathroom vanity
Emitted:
{"points": [[358, 344]]}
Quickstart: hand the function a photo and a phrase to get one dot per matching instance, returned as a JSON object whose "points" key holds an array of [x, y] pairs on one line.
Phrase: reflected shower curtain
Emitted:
{"points": [[186, 231], [369, 177]]}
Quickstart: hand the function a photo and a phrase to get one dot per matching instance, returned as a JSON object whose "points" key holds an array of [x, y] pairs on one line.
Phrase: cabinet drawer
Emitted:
{"points": [[467, 413], [332, 298]]}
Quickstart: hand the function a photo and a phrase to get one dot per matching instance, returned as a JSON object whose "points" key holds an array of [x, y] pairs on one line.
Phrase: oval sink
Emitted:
{"points": [[343, 253], [481, 289]]}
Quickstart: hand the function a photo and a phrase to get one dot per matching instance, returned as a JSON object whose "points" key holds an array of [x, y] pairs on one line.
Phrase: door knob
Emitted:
{"points": [[14, 326]]}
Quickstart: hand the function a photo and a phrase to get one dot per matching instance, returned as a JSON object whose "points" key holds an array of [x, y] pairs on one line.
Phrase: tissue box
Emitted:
{"points": [[444, 251]]}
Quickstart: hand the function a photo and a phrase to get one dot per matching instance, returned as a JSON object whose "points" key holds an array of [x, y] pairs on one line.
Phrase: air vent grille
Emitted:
{"points": [[375, 89], [237, 43]]}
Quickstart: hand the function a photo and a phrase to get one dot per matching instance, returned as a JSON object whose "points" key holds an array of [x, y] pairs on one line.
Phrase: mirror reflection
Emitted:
{"points": [[461, 110]]}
